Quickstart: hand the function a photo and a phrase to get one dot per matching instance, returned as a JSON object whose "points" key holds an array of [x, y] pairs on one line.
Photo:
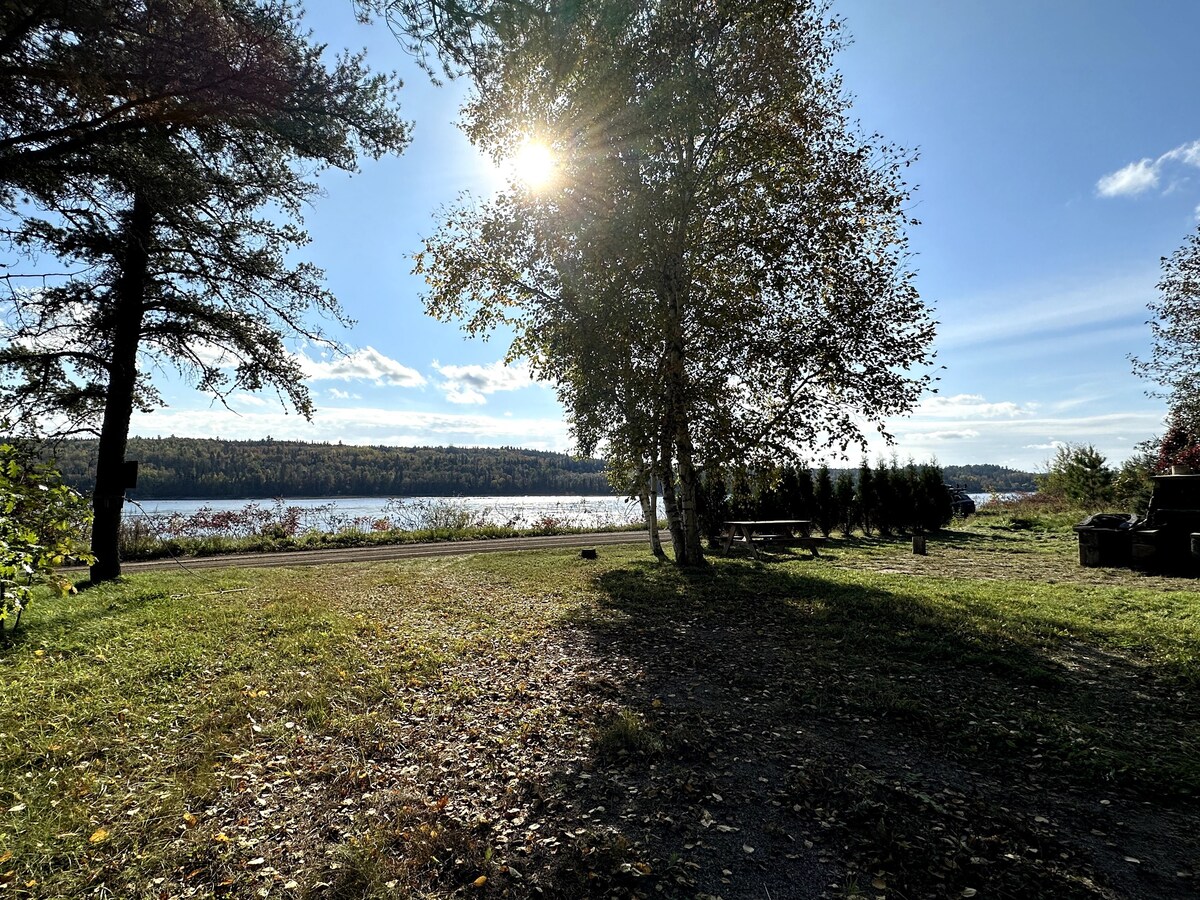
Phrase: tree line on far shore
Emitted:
{"points": [[197, 468], [174, 467]]}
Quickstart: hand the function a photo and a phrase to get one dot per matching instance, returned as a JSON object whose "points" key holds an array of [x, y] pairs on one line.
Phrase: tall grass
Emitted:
{"points": [[1030, 512]]}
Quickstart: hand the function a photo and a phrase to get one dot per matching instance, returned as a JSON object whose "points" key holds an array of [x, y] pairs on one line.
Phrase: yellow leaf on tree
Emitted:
{"points": [[98, 836]]}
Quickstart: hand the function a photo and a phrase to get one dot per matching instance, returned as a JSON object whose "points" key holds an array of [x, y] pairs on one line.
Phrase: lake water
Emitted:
{"points": [[338, 513], [323, 512]]}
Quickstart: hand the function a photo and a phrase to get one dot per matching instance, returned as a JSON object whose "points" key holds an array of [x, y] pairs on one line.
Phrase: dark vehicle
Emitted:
{"points": [[961, 503]]}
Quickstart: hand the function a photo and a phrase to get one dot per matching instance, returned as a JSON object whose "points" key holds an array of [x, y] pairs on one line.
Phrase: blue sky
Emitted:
{"points": [[1059, 159]]}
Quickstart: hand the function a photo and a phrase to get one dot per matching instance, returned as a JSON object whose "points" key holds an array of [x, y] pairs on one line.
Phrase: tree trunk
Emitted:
{"points": [[689, 485], [128, 310], [670, 502], [648, 495], [689, 550]]}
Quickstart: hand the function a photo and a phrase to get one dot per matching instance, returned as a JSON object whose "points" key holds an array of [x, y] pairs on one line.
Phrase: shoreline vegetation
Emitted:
{"points": [[282, 527], [208, 469], [989, 719], [279, 527]]}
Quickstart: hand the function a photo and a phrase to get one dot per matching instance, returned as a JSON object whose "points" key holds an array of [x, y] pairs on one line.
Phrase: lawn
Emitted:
{"points": [[989, 720]]}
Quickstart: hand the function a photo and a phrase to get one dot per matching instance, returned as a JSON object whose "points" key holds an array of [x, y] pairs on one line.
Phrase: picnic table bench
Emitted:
{"points": [[753, 532]]}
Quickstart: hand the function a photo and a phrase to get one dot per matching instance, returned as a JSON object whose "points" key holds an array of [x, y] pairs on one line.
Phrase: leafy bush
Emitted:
{"points": [[1132, 485], [42, 526], [1079, 474], [1180, 447]]}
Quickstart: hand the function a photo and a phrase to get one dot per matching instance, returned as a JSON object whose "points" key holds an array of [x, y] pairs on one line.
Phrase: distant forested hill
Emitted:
{"points": [[211, 469], [982, 479]]}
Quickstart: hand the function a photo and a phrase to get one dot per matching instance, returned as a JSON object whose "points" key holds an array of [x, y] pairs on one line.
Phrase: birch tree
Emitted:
{"points": [[716, 274], [1175, 359]]}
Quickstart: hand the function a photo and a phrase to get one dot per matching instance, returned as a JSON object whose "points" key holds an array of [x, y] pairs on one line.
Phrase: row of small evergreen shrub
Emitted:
{"points": [[889, 499]]}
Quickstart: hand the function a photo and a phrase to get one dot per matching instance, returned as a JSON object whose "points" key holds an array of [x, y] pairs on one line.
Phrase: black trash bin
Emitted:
{"points": [[1106, 540]]}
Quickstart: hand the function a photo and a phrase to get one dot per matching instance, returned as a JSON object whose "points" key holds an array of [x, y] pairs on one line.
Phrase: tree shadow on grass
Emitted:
{"points": [[778, 726]]}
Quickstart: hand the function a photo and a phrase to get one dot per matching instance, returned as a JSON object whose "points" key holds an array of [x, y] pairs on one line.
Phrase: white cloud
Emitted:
{"points": [[256, 400], [1143, 175], [1135, 178], [359, 425], [338, 394], [1188, 154], [970, 406], [1053, 445], [365, 364], [470, 384], [965, 434]]}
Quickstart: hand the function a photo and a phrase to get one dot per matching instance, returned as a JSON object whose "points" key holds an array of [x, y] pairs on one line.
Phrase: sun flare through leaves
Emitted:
{"points": [[534, 165]]}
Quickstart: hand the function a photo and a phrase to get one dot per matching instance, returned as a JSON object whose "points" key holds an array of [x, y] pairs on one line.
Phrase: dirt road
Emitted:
{"points": [[388, 551]]}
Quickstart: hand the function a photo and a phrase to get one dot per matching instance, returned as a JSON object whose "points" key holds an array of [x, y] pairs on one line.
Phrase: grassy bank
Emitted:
{"points": [[987, 720], [218, 544]]}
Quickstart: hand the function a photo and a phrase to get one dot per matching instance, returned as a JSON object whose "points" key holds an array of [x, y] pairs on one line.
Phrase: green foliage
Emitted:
{"points": [[42, 525], [826, 516], [989, 479], [718, 274], [1079, 474], [1180, 446], [931, 499], [1174, 362], [169, 150], [890, 498], [714, 502], [844, 503], [1133, 484], [884, 512], [866, 497]]}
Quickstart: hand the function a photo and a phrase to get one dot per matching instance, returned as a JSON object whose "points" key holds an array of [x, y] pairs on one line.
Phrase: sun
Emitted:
{"points": [[534, 165]]}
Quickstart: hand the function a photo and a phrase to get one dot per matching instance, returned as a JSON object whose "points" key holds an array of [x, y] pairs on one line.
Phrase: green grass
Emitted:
{"points": [[125, 705], [1032, 512], [152, 727]]}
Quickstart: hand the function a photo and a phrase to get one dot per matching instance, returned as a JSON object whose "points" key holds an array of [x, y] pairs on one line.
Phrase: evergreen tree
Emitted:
{"points": [[843, 495], [933, 499], [885, 499], [902, 479], [825, 502], [181, 220], [866, 498], [1079, 473]]}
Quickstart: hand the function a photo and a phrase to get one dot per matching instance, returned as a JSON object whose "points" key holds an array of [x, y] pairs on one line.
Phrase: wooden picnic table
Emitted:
{"points": [[756, 531]]}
